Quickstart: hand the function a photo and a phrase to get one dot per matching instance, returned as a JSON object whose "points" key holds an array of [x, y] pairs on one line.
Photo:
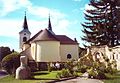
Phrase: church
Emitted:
{"points": [[46, 46]]}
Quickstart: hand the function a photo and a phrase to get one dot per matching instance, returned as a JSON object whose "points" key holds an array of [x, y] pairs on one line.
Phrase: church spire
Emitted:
{"points": [[49, 24], [25, 25]]}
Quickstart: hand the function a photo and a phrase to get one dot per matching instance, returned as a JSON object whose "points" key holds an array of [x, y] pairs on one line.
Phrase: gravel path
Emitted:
{"points": [[81, 80]]}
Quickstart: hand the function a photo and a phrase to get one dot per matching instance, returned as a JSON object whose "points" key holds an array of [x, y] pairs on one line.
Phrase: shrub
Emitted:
{"points": [[64, 73], [11, 62], [83, 69], [92, 73], [49, 67], [110, 70], [69, 65], [100, 75], [58, 75], [75, 74]]}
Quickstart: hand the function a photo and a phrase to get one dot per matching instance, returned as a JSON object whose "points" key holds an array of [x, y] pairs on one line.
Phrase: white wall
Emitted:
{"points": [[69, 49], [47, 51], [33, 48], [24, 34]]}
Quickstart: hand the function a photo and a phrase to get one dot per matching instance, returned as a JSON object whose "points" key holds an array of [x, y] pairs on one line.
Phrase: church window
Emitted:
{"points": [[24, 33], [113, 57], [24, 39], [69, 56], [98, 55]]}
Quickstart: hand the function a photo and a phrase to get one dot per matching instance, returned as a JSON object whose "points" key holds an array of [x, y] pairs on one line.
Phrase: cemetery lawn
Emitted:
{"points": [[41, 76], [115, 78]]}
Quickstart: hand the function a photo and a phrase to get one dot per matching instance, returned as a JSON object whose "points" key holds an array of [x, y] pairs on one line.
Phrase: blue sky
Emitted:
{"points": [[66, 18]]}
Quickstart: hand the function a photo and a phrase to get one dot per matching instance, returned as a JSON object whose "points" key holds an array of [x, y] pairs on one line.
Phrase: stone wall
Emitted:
{"points": [[113, 53]]}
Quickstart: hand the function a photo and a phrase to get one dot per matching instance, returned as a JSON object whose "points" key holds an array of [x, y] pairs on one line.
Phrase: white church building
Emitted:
{"points": [[46, 46]]}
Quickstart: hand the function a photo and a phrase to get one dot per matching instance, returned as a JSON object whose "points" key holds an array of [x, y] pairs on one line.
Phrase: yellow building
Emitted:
{"points": [[46, 46]]}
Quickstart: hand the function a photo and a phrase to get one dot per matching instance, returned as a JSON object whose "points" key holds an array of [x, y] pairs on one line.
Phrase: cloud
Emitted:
{"points": [[61, 27], [43, 12], [12, 5], [13, 27], [10, 27]]}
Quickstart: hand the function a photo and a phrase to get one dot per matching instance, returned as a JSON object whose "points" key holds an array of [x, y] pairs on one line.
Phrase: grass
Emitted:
{"points": [[11, 79], [46, 75], [115, 78], [42, 76]]}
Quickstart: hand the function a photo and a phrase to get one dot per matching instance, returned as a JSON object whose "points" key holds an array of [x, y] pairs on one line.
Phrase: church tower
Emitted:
{"points": [[24, 35]]}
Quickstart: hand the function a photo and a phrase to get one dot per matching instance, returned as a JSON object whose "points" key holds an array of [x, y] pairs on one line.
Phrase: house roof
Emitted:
{"points": [[43, 35], [46, 35], [65, 40]]}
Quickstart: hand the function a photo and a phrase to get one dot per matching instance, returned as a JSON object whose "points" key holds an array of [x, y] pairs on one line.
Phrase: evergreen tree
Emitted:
{"points": [[103, 23]]}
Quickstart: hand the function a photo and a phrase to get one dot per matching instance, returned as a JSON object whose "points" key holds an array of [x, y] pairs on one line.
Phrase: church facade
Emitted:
{"points": [[46, 46]]}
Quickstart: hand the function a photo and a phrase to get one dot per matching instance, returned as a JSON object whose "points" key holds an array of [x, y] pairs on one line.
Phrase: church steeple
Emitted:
{"points": [[24, 34], [49, 24], [25, 25]]}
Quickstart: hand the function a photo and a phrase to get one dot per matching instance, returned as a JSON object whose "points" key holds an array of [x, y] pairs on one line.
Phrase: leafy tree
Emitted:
{"points": [[11, 62], [103, 23], [4, 51]]}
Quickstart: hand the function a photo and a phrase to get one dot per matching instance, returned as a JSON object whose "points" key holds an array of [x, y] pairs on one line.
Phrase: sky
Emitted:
{"points": [[66, 18]]}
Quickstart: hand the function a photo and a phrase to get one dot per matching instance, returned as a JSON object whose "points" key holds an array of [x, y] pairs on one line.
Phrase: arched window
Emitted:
{"points": [[24, 39], [69, 56], [113, 55]]}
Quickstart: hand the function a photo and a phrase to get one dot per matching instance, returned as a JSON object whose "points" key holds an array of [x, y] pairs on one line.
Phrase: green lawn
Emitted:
{"points": [[11, 79], [115, 78], [46, 75], [42, 76]]}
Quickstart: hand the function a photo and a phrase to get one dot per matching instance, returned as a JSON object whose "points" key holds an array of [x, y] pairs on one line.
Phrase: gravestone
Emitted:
{"points": [[23, 72]]}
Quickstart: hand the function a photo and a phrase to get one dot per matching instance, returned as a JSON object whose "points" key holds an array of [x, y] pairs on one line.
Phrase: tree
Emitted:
{"points": [[11, 62], [103, 23], [4, 51]]}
